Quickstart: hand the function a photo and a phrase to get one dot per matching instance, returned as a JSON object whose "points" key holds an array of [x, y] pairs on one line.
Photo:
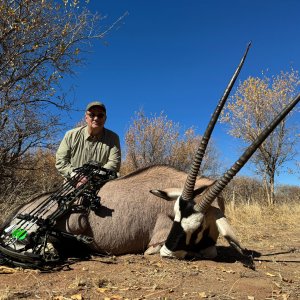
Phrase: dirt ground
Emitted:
{"points": [[277, 275]]}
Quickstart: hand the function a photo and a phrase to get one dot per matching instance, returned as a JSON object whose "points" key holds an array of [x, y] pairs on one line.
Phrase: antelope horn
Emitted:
{"points": [[187, 193], [214, 190]]}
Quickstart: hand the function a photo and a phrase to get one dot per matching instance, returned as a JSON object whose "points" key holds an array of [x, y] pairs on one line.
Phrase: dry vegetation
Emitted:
{"points": [[158, 140], [258, 224]]}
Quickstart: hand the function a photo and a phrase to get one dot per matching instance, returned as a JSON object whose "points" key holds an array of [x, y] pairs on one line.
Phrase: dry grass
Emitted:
{"points": [[284, 214], [5, 293], [8, 206], [255, 224]]}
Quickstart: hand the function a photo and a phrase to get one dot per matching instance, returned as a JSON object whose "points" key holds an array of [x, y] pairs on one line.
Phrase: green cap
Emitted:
{"points": [[96, 103]]}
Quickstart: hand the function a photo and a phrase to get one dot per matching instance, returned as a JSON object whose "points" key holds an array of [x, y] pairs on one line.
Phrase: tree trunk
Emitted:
{"points": [[269, 183], [271, 189]]}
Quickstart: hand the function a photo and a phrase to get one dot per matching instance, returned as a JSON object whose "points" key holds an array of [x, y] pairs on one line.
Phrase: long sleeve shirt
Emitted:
{"points": [[78, 148]]}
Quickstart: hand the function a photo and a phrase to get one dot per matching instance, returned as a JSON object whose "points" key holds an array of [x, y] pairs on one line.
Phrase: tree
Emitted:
{"points": [[40, 42], [38, 174], [245, 190], [288, 193], [256, 102], [157, 140]]}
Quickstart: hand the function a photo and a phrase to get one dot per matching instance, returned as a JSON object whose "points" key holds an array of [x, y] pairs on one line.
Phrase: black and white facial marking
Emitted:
{"points": [[189, 233]]}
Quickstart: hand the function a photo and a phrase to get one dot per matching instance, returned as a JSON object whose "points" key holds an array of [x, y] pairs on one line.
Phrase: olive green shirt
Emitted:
{"points": [[78, 148]]}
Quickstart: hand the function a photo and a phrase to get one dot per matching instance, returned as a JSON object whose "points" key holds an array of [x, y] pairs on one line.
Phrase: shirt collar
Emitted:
{"points": [[88, 137]]}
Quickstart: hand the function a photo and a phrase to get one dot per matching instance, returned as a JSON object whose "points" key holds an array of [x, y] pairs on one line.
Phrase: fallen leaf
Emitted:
{"points": [[113, 297], [6, 270], [227, 271], [271, 275], [276, 292], [277, 284], [158, 264], [102, 290], [230, 271], [202, 295], [77, 297]]}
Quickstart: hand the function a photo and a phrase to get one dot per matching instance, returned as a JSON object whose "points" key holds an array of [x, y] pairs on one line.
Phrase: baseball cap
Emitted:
{"points": [[96, 103]]}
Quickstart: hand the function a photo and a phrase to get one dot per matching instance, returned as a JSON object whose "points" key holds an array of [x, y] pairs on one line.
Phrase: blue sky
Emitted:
{"points": [[178, 56]]}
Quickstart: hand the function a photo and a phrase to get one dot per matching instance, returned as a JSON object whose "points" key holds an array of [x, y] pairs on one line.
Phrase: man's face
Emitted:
{"points": [[95, 117]]}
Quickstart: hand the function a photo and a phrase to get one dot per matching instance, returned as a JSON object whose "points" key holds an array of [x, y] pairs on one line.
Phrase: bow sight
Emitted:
{"points": [[26, 238]]}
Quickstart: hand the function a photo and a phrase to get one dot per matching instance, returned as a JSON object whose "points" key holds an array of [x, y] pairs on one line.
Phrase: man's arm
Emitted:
{"points": [[63, 158], [114, 158]]}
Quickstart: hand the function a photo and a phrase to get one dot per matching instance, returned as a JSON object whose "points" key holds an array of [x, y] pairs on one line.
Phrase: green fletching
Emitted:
{"points": [[20, 234]]}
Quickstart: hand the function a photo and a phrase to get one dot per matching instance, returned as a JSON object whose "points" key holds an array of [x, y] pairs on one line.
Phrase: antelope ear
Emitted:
{"points": [[169, 194], [201, 189]]}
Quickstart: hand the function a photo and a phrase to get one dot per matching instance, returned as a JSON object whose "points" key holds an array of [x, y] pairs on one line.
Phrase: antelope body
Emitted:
{"points": [[131, 219]]}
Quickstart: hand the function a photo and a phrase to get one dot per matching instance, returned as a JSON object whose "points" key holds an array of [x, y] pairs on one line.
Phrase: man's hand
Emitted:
{"points": [[82, 180]]}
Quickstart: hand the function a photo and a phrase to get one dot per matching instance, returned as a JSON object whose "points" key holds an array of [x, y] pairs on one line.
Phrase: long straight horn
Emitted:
{"points": [[188, 189], [214, 190]]}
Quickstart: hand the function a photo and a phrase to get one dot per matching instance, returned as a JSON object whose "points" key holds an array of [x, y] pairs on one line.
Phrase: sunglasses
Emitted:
{"points": [[92, 115]]}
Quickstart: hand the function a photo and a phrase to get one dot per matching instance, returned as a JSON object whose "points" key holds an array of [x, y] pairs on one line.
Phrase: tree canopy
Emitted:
{"points": [[40, 42], [157, 140], [256, 102]]}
